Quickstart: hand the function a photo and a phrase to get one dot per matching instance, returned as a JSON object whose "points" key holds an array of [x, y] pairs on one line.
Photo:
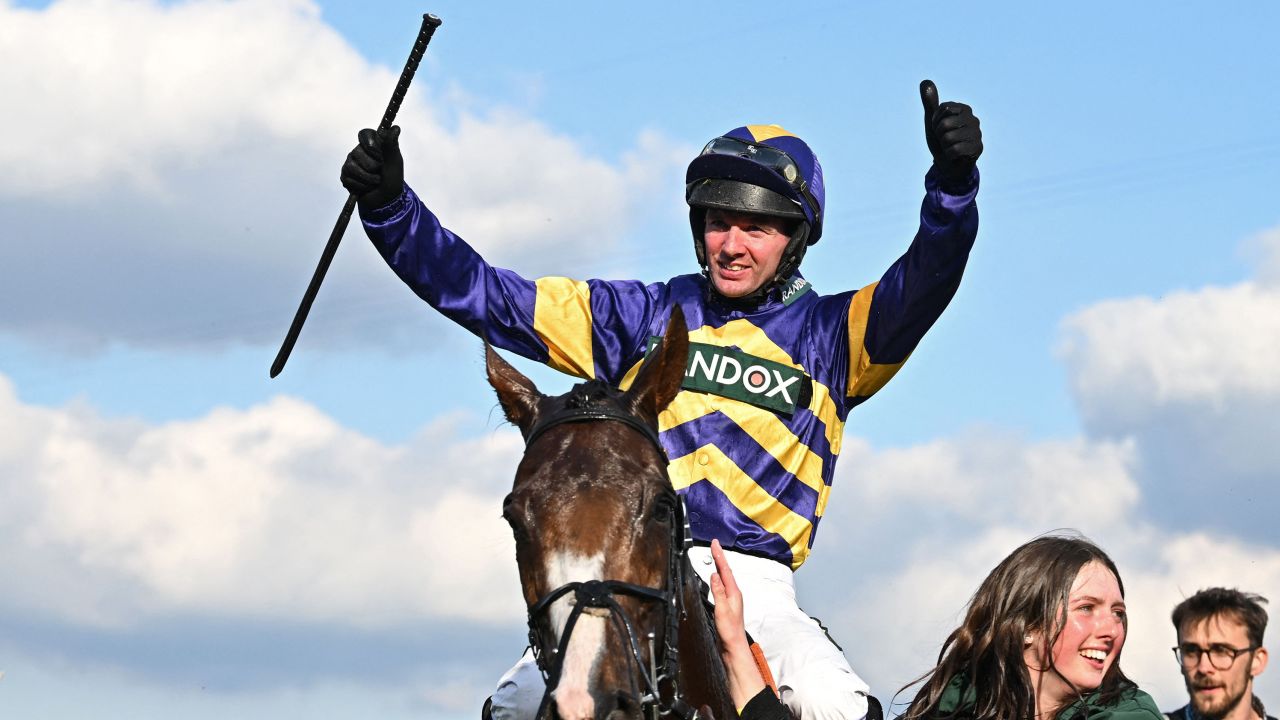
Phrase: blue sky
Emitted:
{"points": [[188, 537]]}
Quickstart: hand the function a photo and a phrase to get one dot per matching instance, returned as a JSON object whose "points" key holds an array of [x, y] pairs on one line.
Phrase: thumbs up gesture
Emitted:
{"points": [[954, 136]]}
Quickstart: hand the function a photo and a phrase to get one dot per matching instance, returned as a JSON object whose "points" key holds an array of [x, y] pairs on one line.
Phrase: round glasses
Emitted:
{"points": [[1221, 657]]}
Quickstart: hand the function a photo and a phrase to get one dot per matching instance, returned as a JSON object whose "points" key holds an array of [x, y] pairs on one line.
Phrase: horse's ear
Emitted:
{"points": [[659, 380], [516, 393]]}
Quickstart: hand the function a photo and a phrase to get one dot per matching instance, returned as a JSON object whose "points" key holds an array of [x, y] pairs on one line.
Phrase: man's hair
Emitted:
{"points": [[1243, 607]]}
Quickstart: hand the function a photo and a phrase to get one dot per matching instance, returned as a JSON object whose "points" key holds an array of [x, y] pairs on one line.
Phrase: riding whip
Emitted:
{"points": [[429, 25]]}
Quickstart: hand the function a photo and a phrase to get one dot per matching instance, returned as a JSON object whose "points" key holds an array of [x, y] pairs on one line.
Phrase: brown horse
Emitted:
{"points": [[616, 617]]}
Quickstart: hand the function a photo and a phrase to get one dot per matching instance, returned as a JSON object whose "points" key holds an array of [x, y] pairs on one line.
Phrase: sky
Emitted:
{"points": [[184, 537]]}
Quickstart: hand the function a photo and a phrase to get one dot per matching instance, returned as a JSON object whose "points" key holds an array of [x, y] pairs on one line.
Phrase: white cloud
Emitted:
{"points": [[910, 532], [275, 511], [183, 158], [109, 90], [1190, 379], [985, 477], [1206, 348]]}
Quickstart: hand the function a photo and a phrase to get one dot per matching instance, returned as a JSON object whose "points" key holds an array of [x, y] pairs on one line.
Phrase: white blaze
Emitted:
{"points": [[586, 643]]}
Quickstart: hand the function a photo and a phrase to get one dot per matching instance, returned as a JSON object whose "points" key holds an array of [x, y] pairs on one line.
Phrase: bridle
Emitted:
{"points": [[601, 593]]}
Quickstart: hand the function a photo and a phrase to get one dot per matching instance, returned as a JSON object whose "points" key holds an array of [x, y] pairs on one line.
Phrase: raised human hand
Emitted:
{"points": [[745, 681], [374, 169], [954, 135]]}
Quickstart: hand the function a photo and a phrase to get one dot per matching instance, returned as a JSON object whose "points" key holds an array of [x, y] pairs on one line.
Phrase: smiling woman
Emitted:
{"points": [[1041, 639]]}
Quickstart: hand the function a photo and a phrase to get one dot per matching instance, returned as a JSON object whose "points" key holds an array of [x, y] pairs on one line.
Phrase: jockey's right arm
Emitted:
{"points": [[591, 329]]}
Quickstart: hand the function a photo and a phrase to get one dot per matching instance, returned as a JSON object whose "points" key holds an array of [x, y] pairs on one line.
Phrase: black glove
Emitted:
{"points": [[374, 170], [954, 137]]}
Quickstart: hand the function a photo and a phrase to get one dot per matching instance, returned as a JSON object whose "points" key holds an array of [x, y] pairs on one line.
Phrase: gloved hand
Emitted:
{"points": [[374, 170], [954, 137]]}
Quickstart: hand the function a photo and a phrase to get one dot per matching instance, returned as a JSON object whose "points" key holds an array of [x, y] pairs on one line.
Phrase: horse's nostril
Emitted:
{"points": [[628, 707]]}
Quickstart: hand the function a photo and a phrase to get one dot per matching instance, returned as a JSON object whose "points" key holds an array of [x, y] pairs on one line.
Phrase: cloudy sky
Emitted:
{"points": [[183, 537]]}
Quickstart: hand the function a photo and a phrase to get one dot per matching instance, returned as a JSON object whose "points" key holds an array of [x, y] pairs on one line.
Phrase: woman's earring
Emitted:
{"points": [[1027, 639]]}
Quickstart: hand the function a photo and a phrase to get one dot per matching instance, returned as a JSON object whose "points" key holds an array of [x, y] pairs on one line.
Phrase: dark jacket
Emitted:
{"points": [[1187, 713], [1133, 704]]}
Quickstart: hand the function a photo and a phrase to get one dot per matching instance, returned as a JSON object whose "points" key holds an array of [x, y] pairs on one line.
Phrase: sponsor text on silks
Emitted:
{"points": [[734, 374]]}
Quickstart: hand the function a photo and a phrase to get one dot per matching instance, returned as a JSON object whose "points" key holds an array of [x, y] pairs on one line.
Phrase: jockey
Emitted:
{"points": [[775, 367]]}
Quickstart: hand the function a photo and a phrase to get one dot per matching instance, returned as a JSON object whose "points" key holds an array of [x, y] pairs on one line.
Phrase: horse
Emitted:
{"points": [[615, 612]]}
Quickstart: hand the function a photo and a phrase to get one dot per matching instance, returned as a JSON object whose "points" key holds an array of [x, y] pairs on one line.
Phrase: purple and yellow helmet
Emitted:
{"points": [[759, 169]]}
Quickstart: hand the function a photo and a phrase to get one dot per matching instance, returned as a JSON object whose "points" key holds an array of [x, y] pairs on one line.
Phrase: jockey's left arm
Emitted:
{"points": [[888, 318]]}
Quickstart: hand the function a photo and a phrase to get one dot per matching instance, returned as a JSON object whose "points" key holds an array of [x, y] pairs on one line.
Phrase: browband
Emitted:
{"points": [[571, 415]]}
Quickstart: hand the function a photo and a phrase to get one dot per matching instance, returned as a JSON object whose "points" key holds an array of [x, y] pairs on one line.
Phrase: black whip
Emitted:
{"points": [[429, 24]]}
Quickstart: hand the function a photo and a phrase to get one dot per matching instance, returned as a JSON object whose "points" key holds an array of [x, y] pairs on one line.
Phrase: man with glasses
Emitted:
{"points": [[774, 366], [1220, 652]]}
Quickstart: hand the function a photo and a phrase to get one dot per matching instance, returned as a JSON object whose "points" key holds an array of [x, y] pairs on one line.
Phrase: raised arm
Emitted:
{"points": [[887, 319], [553, 320]]}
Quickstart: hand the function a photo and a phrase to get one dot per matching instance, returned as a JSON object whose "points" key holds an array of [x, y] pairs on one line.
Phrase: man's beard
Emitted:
{"points": [[1222, 707]]}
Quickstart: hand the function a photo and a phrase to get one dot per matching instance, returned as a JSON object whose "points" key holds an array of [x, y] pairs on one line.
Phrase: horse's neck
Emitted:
{"points": [[702, 676]]}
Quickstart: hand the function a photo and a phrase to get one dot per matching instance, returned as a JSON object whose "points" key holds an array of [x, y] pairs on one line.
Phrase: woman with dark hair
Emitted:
{"points": [[1041, 639]]}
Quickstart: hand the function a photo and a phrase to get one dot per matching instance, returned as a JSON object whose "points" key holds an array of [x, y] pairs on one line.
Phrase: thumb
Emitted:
{"points": [[391, 140], [370, 144], [929, 98]]}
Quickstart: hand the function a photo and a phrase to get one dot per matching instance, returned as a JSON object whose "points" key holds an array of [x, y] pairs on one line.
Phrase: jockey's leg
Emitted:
{"points": [[813, 676], [519, 691]]}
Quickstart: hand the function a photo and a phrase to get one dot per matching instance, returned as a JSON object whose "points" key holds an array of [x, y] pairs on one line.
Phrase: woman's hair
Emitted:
{"points": [[1026, 593]]}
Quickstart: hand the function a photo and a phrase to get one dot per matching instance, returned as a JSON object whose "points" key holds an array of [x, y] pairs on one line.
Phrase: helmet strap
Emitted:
{"points": [[698, 223], [792, 255]]}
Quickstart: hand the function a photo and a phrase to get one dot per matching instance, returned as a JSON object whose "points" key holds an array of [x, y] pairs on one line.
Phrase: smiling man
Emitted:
{"points": [[774, 367], [1220, 652]]}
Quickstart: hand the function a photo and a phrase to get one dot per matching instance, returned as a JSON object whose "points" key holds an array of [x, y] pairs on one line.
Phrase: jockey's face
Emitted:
{"points": [[743, 250]]}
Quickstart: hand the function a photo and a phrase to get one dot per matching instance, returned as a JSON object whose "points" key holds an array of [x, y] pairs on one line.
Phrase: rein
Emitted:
{"points": [[601, 594]]}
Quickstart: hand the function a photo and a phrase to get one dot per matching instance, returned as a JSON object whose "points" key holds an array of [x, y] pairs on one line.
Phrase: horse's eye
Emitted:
{"points": [[508, 512], [517, 530], [513, 519]]}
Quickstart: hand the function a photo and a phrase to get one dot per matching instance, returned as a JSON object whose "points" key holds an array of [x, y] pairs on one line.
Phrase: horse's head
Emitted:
{"points": [[592, 502]]}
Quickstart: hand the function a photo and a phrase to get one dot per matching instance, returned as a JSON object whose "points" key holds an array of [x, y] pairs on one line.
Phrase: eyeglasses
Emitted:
{"points": [[770, 157], [1221, 657]]}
